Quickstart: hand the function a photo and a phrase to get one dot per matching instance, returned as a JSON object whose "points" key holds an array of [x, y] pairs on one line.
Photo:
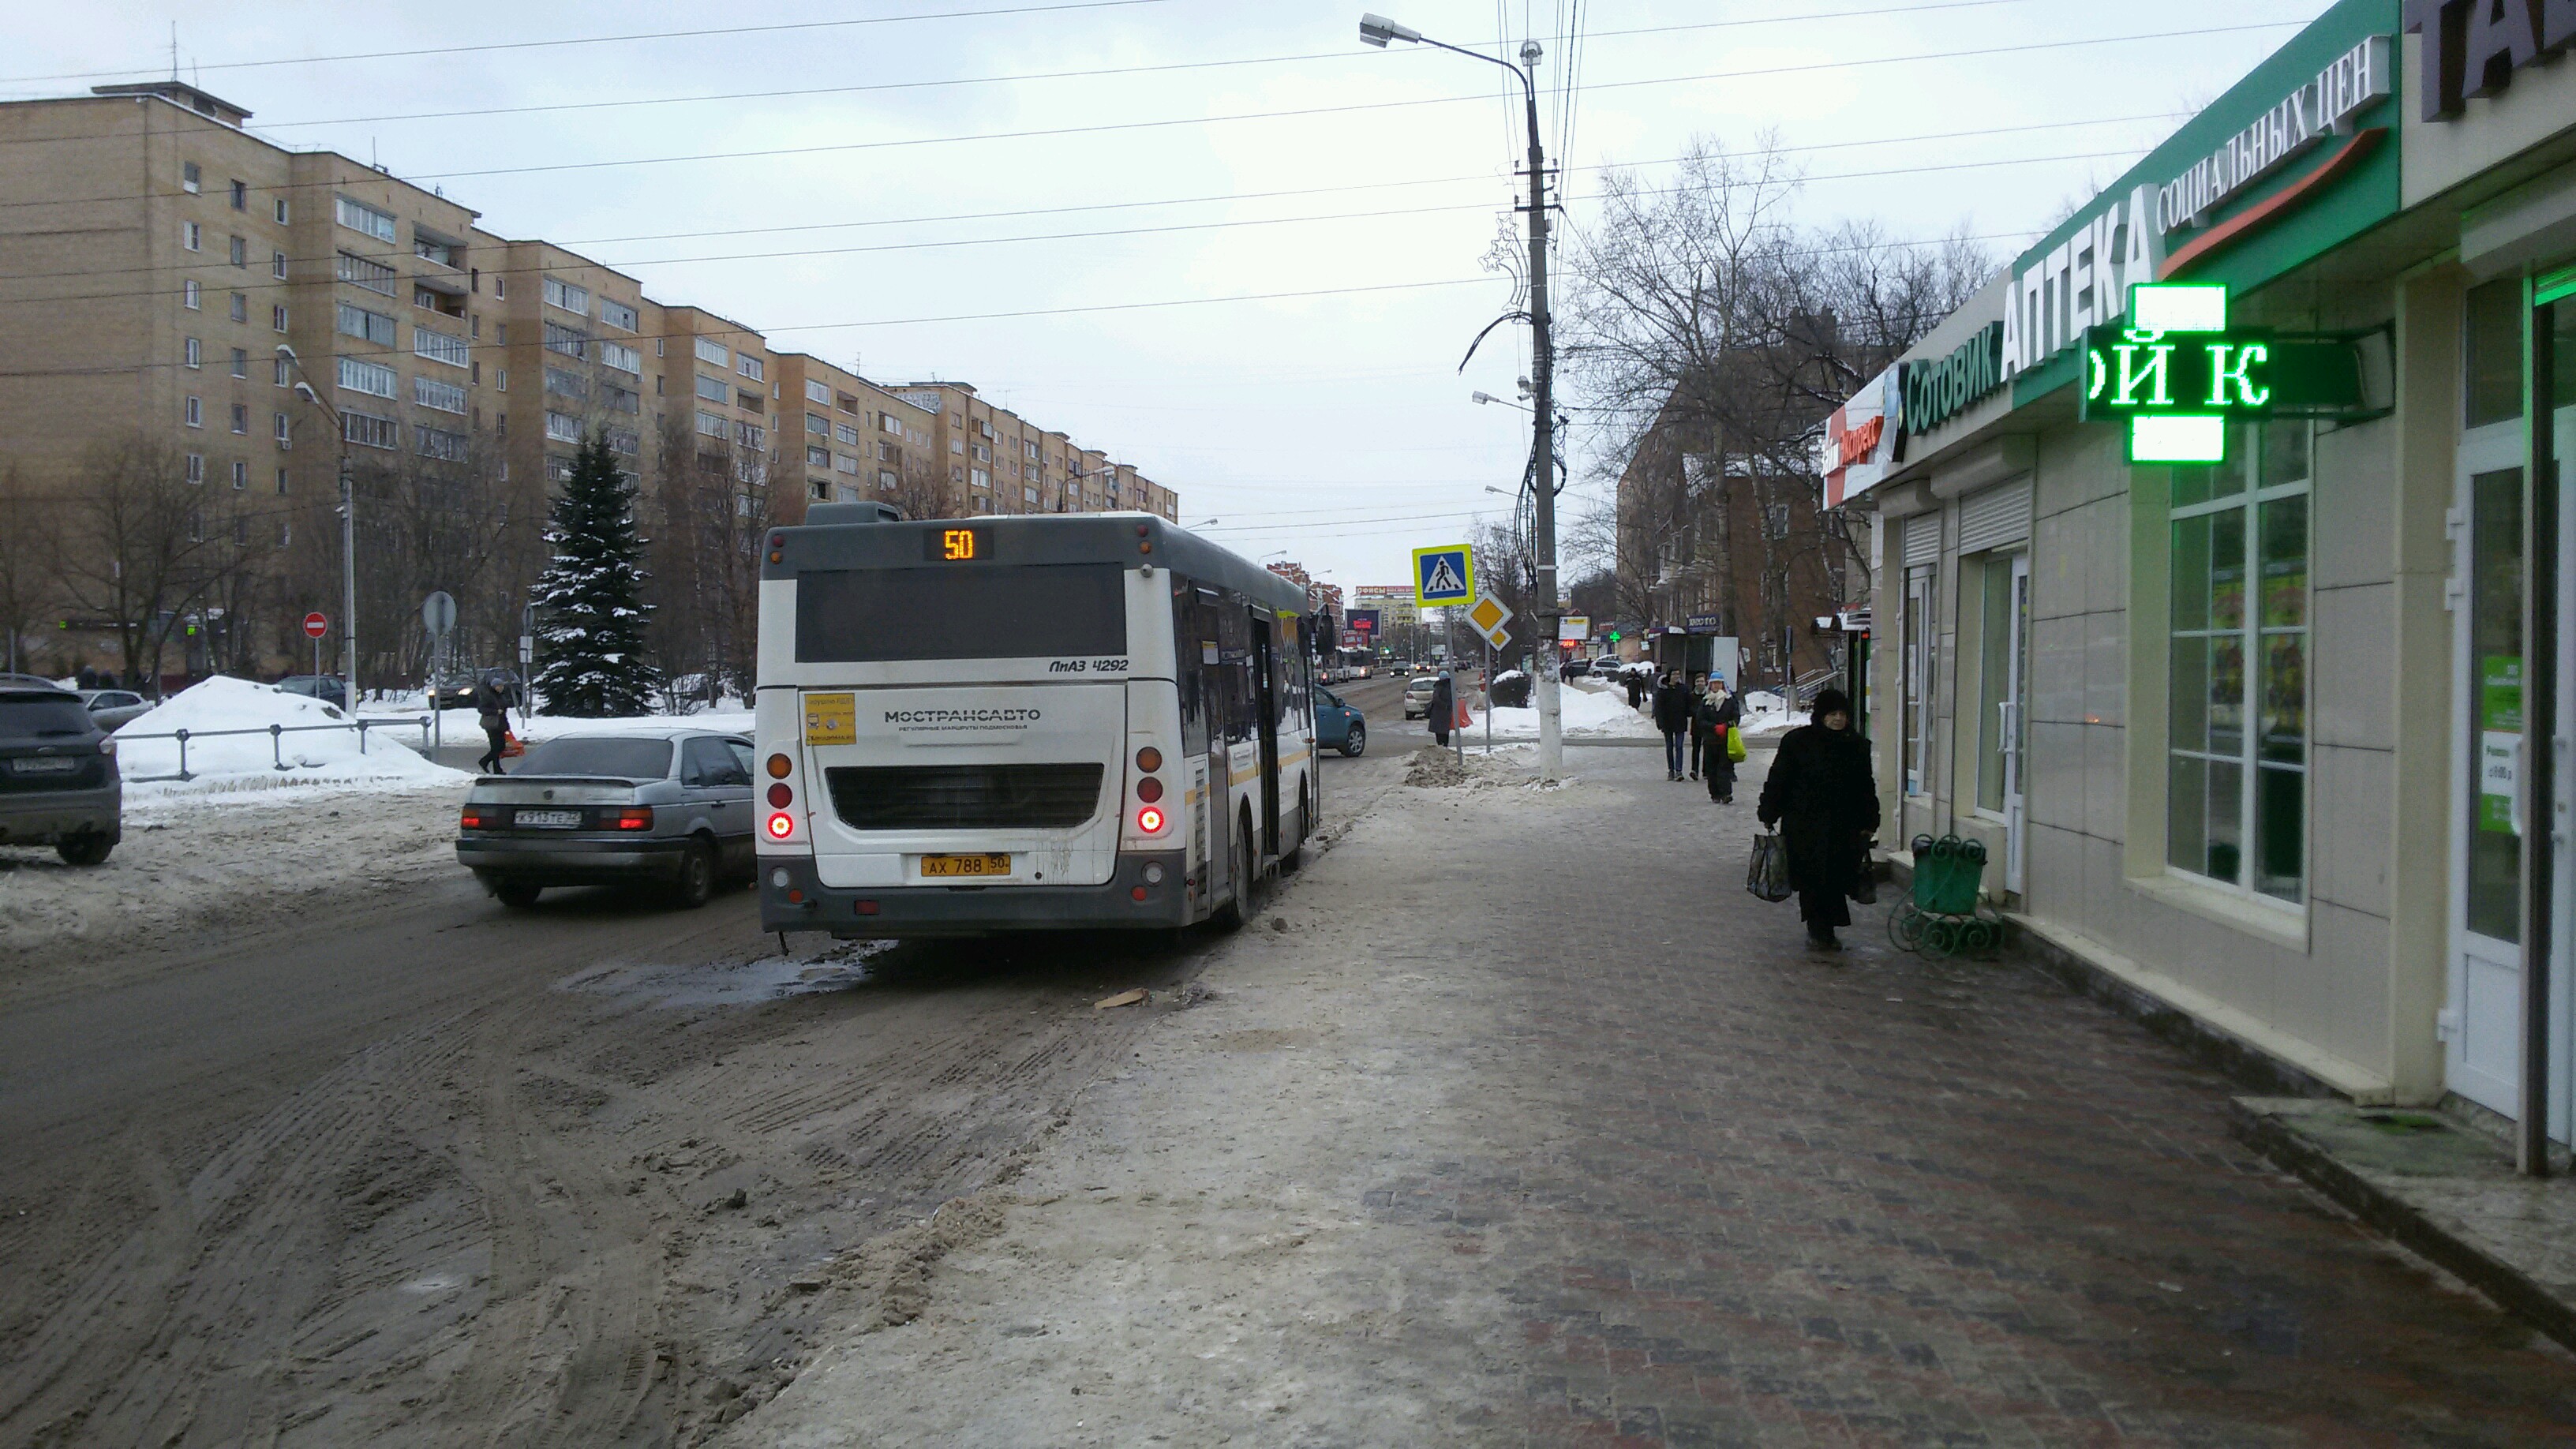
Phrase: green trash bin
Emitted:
{"points": [[1947, 874]]}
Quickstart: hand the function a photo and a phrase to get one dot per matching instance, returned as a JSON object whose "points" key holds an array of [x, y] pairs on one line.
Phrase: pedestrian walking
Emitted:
{"points": [[1443, 711], [1700, 737], [1672, 718], [1718, 717], [1822, 796], [494, 703], [1636, 681]]}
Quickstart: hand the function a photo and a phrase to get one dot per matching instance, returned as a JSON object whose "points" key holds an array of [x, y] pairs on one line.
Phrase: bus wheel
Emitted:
{"points": [[1240, 874], [1296, 856]]}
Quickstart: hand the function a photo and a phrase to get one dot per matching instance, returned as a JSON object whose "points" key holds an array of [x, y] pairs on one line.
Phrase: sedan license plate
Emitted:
{"points": [[549, 819], [965, 865], [45, 765]]}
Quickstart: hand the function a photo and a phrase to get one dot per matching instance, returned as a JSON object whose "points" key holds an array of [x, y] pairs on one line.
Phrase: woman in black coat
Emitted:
{"points": [[1443, 712], [1824, 797], [1719, 712]]}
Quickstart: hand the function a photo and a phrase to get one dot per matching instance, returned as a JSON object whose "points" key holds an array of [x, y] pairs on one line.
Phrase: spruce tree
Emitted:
{"points": [[591, 661]]}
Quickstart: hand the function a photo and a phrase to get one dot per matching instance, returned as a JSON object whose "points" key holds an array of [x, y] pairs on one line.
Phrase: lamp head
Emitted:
{"points": [[287, 352], [1377, 30], [305, 391], [1529, 52], [1482, 397]]}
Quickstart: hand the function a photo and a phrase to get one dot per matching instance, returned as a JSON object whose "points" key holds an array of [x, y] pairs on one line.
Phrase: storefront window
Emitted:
{"points": [[1917, 665], [2236, 780], [1998, 721], [2493, 894]]}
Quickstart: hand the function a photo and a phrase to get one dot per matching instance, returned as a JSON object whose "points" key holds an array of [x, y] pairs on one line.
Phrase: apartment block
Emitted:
{"points": [[859, 441]]}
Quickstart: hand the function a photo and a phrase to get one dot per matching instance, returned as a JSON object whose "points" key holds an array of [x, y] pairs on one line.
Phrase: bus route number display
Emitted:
{"points": [[959, 545]]}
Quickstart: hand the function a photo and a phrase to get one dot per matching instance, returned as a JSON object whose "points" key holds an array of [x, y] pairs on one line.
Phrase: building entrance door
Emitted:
{"points": [[2016, 727], [2002, 687]]}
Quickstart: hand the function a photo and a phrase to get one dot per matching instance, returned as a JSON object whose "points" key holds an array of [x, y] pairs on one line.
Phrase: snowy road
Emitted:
{"points": [[399, 1166]]}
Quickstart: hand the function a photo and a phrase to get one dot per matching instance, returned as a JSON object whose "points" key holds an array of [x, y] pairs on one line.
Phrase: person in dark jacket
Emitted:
{"points": [[1719, 714], [494, 703], [1702, 727], [1443, 711], [1672, 717], [1824, 798], [1636, 681]]}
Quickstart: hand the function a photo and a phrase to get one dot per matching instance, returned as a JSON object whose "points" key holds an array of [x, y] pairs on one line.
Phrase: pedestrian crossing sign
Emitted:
{"points": [[1444, 575]]}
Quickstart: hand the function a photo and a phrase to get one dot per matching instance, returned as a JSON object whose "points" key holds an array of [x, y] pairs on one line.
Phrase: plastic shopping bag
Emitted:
{"points": [[1767, 876], [511, 749], [1735, 744]]}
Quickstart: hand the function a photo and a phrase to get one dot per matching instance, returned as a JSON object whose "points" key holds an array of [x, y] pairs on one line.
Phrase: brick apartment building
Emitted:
{"points": [[167, 278]]}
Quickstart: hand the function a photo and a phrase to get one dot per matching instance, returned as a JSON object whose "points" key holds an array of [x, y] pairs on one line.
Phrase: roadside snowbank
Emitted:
{"points": [[229, 764], [1582, 711], [465, 727]]}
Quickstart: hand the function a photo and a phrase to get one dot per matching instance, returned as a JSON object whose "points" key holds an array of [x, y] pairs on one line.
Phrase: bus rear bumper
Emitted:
{"points": [[1128, 901]]}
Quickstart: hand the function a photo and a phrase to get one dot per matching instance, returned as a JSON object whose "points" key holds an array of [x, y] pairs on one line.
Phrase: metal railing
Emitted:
{"points": [[276, 740]]}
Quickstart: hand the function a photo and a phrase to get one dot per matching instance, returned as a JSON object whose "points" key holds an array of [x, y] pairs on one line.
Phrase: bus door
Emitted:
{"points": [[1265, 703]]}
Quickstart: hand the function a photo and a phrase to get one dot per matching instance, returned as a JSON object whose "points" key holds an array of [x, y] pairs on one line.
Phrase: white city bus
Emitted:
{"points": [[1031, 723]]}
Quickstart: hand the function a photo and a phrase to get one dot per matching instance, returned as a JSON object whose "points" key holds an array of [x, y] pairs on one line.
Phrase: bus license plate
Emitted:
{"points": [[965, 865], [548, 819]]}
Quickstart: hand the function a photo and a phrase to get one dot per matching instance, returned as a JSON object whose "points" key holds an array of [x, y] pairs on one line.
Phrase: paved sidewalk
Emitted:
{"points": [[1452, 1160]]}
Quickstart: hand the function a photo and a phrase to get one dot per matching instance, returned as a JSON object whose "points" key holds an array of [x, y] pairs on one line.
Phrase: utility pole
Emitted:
{"points": [[349, 576], [1377, 30]]}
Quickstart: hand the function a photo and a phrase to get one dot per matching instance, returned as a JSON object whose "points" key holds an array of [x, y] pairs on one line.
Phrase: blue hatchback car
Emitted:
{"points": [[1338, 726]]}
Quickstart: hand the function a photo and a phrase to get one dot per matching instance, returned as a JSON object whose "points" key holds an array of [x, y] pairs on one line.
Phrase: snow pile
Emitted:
{"points": [[1584, 712], [1766, 713], [228, 763]]}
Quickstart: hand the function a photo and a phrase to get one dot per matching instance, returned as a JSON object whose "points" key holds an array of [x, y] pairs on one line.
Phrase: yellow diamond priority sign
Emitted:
{"points": [[1488, 614]]}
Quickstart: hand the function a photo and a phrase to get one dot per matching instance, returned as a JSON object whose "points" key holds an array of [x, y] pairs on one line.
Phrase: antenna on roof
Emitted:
{"points": [[174, 50]]}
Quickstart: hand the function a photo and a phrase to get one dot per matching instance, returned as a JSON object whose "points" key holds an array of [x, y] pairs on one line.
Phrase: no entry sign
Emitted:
{"points": [[315, 626]]}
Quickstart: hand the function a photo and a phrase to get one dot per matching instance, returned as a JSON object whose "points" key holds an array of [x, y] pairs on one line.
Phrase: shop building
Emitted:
{"points": [[2247, 733]]}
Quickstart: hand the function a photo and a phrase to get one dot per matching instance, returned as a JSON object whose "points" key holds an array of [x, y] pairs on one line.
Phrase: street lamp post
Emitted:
{"points": [[1377, 30], [348, 534]]}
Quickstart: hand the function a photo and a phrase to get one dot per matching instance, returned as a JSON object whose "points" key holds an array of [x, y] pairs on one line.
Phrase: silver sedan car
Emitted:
{"points": [[670, 806]]}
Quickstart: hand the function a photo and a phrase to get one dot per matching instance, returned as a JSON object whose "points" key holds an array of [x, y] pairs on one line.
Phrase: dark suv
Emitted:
{"points": [[58, 780]]}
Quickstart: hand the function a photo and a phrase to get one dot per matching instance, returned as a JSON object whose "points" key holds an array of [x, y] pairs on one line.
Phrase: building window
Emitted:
{"points": [[567, 341], [277, 318], [440, 444], [196, 468], [241, 419], [2236, 781], [624, 441], [285, 530], [193, 412], [283, 426], [241, 475], [714, 389], [980, 478], [845, 433], [820, 427], [563, 427], [445, 397], [844, 463], [620, 400], [619, 316], [818, 457], [241, 363], [360, 272], [191, 180], [710, 350], [360, 217], [569, 384], [239, 253], [371, 326], [191, 236], [747, 401], [195, 353], [241, 307], [277, 211], [750, 367], [817, 393], [189, 295], [277, 265], [372, 378], [281, 492], [622, 357], [440, 347], [565, 295], [885, 478], [713, 426], [368, 430], [241, 196], [751, 436], [282, 371]]}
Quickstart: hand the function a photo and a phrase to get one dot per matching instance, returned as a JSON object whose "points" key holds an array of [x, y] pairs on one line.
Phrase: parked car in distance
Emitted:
{"points": [[27, 681], [1417, 697], [113, 707], [58, 780], [327, 688], [1338, 726], [671, 805]]}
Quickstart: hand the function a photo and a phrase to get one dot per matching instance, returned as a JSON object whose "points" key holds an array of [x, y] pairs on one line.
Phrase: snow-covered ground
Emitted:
{"points": [[319, 752], [1592, 712], [464, 726]]}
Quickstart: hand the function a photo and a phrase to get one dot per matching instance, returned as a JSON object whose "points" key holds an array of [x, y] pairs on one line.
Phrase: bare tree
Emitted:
{"points": [[921, 492], [139, 548], [26, 577]]}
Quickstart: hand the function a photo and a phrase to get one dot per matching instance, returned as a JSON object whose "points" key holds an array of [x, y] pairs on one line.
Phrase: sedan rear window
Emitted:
{"points": [[22, 715], [622, 759]]}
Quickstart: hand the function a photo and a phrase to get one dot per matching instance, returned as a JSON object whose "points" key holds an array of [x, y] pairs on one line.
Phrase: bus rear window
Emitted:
{"points": [[873, 616]]}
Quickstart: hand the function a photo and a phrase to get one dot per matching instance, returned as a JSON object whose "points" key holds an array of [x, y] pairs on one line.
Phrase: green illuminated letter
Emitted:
{"points": [[2249, 393], [2157, 371]]}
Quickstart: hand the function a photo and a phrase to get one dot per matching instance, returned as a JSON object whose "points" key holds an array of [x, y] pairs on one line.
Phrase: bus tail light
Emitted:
{"points": [[1149, 821], [781, 825]]}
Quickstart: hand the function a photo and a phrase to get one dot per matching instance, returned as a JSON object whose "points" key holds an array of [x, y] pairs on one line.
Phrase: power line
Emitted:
{"points": [[273, 283], [1169, 123], [727, 30]]}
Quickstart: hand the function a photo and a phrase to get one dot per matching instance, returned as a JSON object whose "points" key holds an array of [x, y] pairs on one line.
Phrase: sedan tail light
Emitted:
{"points": [[472, 818], [635, 817]]}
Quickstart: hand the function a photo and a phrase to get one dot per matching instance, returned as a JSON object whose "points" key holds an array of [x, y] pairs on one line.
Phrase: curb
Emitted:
{"points": [[2232, 1056], [2516, 1292]]}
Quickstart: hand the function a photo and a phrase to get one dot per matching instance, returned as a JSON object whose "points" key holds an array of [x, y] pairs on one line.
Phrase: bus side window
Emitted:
{"points": [[1189, 673]]}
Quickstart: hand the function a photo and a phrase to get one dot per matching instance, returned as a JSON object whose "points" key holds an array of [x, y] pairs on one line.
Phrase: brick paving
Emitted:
{"points": [[1879, 1201]]}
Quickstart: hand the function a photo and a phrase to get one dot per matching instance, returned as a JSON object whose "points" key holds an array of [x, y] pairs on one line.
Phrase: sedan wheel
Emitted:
{"points": [[518, 895], [697, 875], [1357, 744], [89, 849]]}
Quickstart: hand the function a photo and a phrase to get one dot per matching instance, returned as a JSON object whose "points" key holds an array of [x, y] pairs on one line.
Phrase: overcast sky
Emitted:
{"points": [[1334, 427]]}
